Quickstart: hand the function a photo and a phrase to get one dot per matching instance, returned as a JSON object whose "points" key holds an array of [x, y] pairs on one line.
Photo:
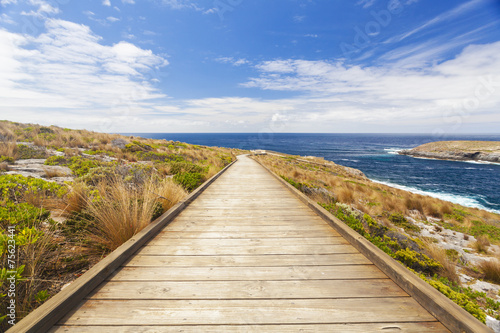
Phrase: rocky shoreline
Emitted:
{"points": [[480, 151]]}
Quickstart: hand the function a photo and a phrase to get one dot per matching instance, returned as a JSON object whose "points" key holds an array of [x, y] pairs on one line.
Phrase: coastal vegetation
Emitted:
{"points": [[69, 197], [420, 232]]}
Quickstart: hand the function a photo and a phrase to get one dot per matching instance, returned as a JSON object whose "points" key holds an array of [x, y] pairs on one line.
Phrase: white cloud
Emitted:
{"points": [[149, 33], [277, 66], [8, 2], [182, 4], [299, 18], [106, 3], [44, 8], [112, 19], [449, 15], [465, 86], [130, 2], [68, 68], [6, 19], [232, 61], [366, 3]]}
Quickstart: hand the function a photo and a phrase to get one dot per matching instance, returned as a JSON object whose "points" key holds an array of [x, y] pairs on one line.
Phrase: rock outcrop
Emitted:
{"points": [[481, 151]]}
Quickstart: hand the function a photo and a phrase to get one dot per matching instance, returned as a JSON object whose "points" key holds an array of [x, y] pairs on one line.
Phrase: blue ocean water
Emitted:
{"points": [[466, 183]]}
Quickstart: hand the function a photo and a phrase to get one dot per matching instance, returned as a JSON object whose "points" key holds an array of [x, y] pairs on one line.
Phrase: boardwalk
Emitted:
{"points": [[247, 255]]}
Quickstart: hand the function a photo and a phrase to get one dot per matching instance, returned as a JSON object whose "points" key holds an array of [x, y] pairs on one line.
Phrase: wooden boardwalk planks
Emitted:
{"points": [[248, 256]]}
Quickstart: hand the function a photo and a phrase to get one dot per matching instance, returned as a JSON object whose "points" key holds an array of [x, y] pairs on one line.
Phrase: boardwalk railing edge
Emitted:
{"points": [[442, 308], [49, 313]]}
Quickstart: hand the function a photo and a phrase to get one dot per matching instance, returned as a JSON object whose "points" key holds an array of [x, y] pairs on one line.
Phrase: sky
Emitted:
{"points": [[313, 66]]}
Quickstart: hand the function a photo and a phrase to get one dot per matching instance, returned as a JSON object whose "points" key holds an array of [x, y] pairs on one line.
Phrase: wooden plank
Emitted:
{"points": [[249, 212], [210, 242], [245, 250], [233, 312], [247, 222], [246, 228], [249, 261], [238, 220], [249, 289], [250, 274], [248, 204], [248, 234], [418, 327]]}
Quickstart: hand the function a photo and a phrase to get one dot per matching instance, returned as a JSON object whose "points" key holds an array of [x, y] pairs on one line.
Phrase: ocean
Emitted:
{"points": [[470, 184]]}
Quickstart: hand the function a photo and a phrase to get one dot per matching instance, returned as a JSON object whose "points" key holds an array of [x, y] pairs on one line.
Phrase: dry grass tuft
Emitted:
{"points": [[34, 198], [212, 171], [446, 208], [345, 195], [481, 244], [53, 172], [4, 166], [170, 193], [76, 200], [448, 269], [124, 209], [414, 203], [9, 149], [491, 270], [121, 211]]}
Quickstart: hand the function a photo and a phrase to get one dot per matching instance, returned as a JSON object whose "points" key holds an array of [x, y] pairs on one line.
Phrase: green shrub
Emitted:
{"points": [[12, 187], [99, 152], [21, 214], [7, 159], [459, 298], [159, 157], [184, 167], [27, 152], [479, 228], [57, 160], [417, 261], [81, 166], [299, 186], [46, 130], [226, 159], [77, 226], [137, 146], [401, 221], [189, 180]]}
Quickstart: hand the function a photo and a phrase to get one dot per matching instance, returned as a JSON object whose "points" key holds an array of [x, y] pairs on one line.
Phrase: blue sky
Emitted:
{"points": [[407, 66]]}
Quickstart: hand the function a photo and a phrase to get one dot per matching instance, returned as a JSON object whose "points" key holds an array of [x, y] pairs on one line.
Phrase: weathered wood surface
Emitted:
{"points": [[417, 327], [248, 256]]}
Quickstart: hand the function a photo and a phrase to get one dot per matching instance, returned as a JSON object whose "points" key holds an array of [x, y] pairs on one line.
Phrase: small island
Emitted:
{"points": [[481, 151]]}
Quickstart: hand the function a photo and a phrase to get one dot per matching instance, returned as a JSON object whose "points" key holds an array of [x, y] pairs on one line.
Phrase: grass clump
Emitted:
{"points": [[9, 150], [481, 244], [491, 270], [120, 209]]}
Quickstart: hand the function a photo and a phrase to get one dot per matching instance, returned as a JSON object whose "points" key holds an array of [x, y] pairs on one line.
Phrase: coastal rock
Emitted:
{"points": [[456, 156], [37, 169], [493, 324], [120, 143], [481, 151]]}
